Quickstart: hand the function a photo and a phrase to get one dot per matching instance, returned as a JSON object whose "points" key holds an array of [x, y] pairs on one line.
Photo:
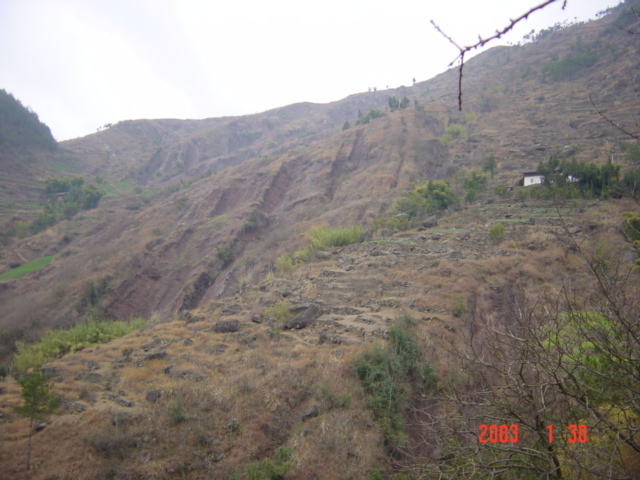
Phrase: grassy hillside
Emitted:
{"points": [[352, 300]]}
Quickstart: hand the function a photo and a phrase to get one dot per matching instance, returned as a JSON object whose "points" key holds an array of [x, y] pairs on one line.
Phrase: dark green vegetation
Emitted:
{"points": [[38, 402], [570, 65], [631, 228], [395, 104], [476, 182], [571, 179], [66, 196], [20, 127], [274, 468], [391, 376], [432, 197], [370, 115]]}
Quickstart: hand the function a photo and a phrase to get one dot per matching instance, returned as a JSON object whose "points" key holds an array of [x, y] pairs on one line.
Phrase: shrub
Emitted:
{"points": [[234, 426], [500, 190], [569, 179], [389, 375], [446, 139], [456, 130], [253, 223], [631, 182], [284, 264], [326, 237], [459, 305], [496, 233], [275, 468], [453, 132], [490, 165], [305, 254], [375, 474], [631, 226], [279, 312], [114, 444], [226, 254], [567, 68], [428, 198], [57, 343], [39, 400], [371, 114], [177, 412]]}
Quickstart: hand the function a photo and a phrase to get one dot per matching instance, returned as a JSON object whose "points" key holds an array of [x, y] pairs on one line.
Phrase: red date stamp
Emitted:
{"points": [[509, 434]]}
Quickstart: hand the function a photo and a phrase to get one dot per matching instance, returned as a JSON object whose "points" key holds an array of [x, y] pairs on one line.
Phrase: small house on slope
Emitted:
{"points": [[531, 178]]}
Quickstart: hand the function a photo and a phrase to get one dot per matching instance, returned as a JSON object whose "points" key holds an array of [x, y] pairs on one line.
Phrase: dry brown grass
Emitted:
{"points": [[264, 385], [267, 380]]}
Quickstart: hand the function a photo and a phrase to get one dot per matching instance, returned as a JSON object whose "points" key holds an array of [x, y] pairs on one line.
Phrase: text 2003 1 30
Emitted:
{"points": [[509, 434]]}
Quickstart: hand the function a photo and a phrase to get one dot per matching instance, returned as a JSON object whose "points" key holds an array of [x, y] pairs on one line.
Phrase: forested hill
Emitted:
{"points": [[20, 127]]}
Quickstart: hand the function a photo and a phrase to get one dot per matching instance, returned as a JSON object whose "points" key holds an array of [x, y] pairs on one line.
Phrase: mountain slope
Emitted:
{"points": [[281, 172], [197, 213]]}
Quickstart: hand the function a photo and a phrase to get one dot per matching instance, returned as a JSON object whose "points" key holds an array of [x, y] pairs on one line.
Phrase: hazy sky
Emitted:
{"points": [[83, 63]]}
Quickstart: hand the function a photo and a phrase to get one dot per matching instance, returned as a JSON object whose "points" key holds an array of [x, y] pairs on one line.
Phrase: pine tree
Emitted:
{"points": [[39, 401]]}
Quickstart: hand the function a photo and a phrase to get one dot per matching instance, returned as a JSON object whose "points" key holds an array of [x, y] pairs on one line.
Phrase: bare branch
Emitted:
{"points": [[483, 41], [632, 135]]}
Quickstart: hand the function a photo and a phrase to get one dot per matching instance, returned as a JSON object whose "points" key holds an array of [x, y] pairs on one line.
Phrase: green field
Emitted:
{"points": [[24, 269], [118, 188]]}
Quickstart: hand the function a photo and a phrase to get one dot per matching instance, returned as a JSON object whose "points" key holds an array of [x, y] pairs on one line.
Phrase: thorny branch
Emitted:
{"points": [[483, 41]]}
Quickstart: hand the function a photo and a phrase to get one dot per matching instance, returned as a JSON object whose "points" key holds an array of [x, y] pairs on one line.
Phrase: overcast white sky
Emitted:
{"points": [[83, 63]]}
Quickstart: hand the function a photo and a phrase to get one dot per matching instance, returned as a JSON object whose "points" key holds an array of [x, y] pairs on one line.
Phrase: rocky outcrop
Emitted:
{"points": [[303, 319], [226, 326]]}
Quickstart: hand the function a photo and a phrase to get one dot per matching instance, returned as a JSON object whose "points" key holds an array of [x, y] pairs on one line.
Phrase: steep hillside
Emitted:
{"points": [[195, 206], [200, 218], [217, 390]]}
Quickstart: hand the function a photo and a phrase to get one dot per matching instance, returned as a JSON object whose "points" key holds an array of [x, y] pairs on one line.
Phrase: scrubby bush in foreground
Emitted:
{"points": [[57, 343], [390, 375], [327, 237]]}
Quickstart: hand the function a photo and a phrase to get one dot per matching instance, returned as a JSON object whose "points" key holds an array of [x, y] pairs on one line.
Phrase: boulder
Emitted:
{"points": [[226, 326], [312, 412], [430, 222], [153, 395], [304, 318], [157, 356]]}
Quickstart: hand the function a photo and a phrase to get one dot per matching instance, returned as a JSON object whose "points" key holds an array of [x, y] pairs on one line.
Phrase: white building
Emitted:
{"points": [[531, 178]]}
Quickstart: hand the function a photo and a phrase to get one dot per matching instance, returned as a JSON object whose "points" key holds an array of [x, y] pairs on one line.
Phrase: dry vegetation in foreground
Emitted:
{"points": [[228, 401]]}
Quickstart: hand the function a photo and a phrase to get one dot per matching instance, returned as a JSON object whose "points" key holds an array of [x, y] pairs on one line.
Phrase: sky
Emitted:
{"points": [[80, 64]]}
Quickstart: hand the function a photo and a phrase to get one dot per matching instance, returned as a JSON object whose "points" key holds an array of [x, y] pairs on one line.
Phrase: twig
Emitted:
{"points": [[483, 41], [632, 135]]}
